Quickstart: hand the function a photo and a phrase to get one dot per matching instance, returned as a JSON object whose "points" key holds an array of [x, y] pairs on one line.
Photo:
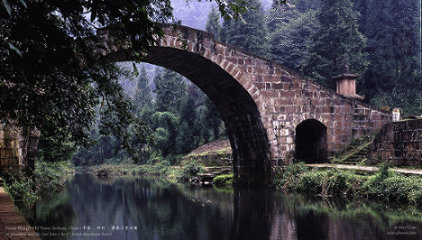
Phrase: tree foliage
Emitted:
{"points": [[213, 24], [169, 89], [143, 95], [394, 47], [53, 73], [335, 43], [290, 40], [249, 34], [56, 79]]}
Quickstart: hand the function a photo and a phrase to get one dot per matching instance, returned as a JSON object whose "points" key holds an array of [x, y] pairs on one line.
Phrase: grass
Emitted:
{"points": [[383, 186], [223, 151], [210, 158], [223, 180]]}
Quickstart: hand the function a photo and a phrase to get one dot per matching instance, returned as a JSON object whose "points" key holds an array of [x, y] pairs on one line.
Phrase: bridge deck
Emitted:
{"points": [[13, 225]]}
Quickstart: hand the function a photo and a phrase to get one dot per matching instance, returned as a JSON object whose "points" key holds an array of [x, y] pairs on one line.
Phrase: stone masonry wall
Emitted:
{"points": [[261, 102], [9, 148], [399, 143], [16, 150], [284, 98]]}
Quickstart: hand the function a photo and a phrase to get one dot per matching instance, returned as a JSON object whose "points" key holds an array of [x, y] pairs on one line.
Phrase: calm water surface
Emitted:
{"points": [[148, 208]]}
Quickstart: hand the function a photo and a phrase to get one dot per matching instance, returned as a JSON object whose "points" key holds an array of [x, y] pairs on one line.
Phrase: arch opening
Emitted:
{"points": [[248, 137], [311, 142]]}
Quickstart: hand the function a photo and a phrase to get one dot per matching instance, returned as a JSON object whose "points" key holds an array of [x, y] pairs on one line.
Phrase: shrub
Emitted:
{"points": [[190, 170], [384, 185], [21, 188], [333, 182], [223, 180], [309, 182], [289, 174], [161, 168], [49, 176]]}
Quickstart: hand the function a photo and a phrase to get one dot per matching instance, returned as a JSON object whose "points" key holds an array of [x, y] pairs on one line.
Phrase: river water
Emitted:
{"points": [[152, 208]]}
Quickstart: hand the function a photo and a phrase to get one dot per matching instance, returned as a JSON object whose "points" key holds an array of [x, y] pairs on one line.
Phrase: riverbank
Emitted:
{"points": [[164, 170], [193, 173], [25, 190], [383, 185]]}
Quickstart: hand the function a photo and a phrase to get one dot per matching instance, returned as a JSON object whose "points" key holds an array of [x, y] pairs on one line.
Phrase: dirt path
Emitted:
{"points": [[13, 225], [365, 168]]}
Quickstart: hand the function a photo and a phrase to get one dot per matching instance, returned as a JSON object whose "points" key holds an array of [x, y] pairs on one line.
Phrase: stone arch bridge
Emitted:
{"points": [[273, 115]]}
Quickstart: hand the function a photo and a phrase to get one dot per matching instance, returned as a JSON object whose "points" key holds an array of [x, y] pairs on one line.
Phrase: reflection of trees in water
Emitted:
{"points": [[162, 210], [338, 218], [54, 211], [157, 208]]}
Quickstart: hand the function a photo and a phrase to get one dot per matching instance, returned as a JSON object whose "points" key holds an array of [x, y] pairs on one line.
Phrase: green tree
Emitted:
{"points": [[249, 34], [140, 142], [392, 78], [211, 121], [279, 15], [184, 139], [213, 24], [169, 90], [45, 85], [305, 5], [336, 42], [187, 130], [143, 96], [55, 149], [165, 134], [291, 40]]}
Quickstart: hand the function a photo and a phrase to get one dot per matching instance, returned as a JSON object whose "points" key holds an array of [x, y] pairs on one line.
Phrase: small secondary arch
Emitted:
{"points": [[311, 142]]}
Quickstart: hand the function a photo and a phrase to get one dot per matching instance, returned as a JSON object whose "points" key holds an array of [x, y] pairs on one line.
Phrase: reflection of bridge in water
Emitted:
{"points": [[272, 114]]}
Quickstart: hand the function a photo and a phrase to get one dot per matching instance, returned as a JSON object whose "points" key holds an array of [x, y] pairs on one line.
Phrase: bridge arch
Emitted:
{"points": [[260, 101], [311, 141], [196, 56]]}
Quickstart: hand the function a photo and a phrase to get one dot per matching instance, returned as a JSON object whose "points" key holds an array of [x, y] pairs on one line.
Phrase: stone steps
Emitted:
{"points": [[358, 157], [355, 153]]}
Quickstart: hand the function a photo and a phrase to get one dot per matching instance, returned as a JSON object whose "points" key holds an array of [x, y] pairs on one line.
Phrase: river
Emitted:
{"points": [[152, 208]]}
